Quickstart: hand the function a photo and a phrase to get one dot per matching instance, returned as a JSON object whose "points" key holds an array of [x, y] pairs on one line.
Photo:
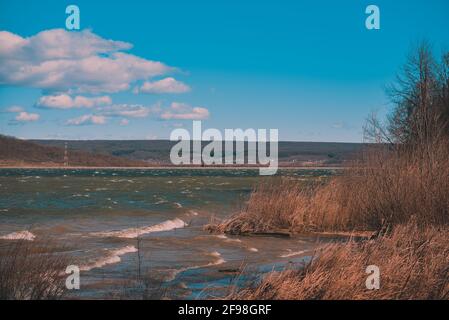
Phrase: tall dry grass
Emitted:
{"points": [[413, 264], [31, 271], [384, 188]]}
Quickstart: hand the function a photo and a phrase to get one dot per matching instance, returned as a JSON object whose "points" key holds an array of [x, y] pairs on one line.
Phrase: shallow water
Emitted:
{"points": [[122, 225]]}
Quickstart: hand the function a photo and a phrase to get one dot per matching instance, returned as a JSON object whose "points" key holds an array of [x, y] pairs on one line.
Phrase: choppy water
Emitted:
{"points": [[118, 224]]}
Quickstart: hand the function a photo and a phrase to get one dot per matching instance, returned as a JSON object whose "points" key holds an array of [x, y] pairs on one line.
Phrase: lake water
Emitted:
{"points": [[139, 233]]}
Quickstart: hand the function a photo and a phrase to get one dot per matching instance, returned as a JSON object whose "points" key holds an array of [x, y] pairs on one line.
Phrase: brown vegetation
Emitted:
{"points": [[405, 174], [398, 188], [413, 264], [386, 188], [31, 271]]}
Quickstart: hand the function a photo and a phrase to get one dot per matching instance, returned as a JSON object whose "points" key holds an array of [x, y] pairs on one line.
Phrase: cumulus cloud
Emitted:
{"points": [[182, 111], [27, 117], [21, 115], [176, 111], [86, 119], [167, 85], [127, 110], [64, 101], [62, 61]]}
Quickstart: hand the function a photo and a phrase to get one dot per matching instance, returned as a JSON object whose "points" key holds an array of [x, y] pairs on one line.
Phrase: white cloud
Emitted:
{"points": [[62, 61], [22, 115], [182, 111], [167, 85], [64, 101], [177, 110], [127, 110], [57, 44], [87, 119], [27, 117]]}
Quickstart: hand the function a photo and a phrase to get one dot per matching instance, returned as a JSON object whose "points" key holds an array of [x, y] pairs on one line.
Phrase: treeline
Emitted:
{"points": [[158, 151]]}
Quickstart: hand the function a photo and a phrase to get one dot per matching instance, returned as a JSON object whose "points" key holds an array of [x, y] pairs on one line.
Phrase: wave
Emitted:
{"points": [[224, 237], [291, 254], [19, 235], [218, 260], [135, 232], [112, 257]]}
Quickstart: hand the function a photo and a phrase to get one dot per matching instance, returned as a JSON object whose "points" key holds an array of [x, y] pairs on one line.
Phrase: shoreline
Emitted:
{"points": [[166, 168]]}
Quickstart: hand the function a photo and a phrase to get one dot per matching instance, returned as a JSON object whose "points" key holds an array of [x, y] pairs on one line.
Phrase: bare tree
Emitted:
{"points": [[375, 131], [420, 96]]}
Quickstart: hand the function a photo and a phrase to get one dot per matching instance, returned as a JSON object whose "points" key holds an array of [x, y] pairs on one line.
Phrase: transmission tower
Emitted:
{"points": [[66, 156]]}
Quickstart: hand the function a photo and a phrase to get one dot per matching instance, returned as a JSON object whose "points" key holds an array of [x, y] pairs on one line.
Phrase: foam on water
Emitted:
{"points": [[224, 237], [19, 235], [218, 260], [135, 232], [292, 253], [178, 205], [112, 257]]}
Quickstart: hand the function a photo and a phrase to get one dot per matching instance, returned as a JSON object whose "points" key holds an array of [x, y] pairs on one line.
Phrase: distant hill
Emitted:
{"points": [[158, 151], [139, 153], [15, 152]]}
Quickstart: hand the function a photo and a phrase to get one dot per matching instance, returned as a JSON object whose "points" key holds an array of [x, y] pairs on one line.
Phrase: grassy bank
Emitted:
{"points": [[398, 189], [401, 195], [413, 264], [384, 188]]}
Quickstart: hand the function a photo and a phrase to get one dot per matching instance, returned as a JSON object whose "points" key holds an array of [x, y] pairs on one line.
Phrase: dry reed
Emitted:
{"points": [[32, 271], [385, 188], [413, 264]]}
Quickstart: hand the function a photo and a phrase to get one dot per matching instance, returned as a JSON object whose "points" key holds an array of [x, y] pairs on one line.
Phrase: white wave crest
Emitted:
{"points": [[291, 254], [19, 235], [224, 237], [112, 257], [218, 260], [135, 232]]}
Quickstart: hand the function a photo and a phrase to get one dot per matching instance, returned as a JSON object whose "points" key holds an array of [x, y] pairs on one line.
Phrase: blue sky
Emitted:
{"points": [[310, 69]]}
